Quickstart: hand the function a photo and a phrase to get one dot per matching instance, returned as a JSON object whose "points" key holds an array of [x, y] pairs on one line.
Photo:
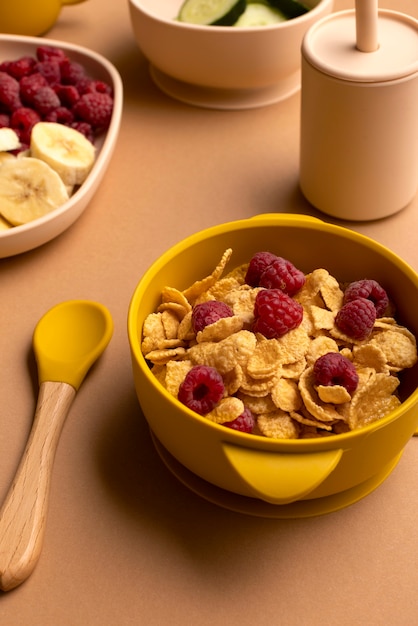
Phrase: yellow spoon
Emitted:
{"points": [[67, 341]]}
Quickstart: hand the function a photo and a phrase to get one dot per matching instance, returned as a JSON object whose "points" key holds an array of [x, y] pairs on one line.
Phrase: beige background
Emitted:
{"points": [[125, 542]]}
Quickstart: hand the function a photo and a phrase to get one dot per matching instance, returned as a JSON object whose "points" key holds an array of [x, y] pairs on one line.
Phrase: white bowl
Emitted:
{"points": [[33, 234], [219, 66]]}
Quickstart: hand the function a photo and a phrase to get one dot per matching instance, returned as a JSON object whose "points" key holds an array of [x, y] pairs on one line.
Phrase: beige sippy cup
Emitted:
{"points": [[359, 113], [30, 17]]}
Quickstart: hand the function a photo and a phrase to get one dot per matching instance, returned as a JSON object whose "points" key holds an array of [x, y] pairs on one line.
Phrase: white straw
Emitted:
{"points": [[366, 25]]}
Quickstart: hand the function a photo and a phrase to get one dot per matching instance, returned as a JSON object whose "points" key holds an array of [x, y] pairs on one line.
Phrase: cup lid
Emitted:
{"points": [[330, 46]]}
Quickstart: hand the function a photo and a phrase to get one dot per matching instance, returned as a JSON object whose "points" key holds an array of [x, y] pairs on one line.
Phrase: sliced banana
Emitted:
{"points": [[29, 189], [6, 156], [65, 149], [8, 139], [4, 224]]}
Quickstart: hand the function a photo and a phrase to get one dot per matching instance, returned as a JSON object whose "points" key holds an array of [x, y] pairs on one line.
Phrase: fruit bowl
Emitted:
{"points": [[39, 231], [222, 67], [317, 474]]}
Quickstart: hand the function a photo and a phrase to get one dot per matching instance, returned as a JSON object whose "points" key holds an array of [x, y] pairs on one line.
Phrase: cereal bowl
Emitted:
{"points": [[38, 232], [217, 66], [319, 473]]}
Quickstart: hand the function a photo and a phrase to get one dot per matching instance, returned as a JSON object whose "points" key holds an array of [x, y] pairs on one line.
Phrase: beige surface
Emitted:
{"points": [[125, 542]]}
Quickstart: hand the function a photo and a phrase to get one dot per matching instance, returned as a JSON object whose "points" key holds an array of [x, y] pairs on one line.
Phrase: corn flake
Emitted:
{"points": [[278, 425], [176, 371], [225, 354], [286, 395], [227, 410], [200, 286], [398, 346], [221, 329], [333, 394]]}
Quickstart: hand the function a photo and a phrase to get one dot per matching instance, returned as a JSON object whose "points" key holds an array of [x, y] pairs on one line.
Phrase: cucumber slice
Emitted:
{"points": [[211, 12], [259, 14], [290, 8]]}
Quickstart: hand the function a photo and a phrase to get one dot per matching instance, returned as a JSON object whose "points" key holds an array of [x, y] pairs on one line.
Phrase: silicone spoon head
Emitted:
{"points": [[69, 338]]}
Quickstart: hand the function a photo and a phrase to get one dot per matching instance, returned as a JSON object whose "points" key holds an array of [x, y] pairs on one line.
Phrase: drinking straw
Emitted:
{"points": [[366, 25]]}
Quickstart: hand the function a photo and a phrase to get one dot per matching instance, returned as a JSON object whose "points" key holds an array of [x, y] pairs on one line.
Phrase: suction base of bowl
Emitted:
{"points": [[228, 99], [258, 508]]}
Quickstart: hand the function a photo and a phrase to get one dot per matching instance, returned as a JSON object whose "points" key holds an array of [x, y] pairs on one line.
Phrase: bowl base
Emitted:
{"points": [[227, 99], [259, 508]]}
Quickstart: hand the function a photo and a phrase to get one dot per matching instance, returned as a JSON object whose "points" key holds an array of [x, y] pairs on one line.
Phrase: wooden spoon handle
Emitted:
{"points": [[23, 514]]}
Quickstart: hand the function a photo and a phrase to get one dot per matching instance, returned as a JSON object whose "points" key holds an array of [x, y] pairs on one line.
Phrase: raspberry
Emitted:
{"points": [[60, 115], [50, 53], [50, 70], [282, 274], [9, 92], [21, 67], [256, 267], [335, 369], [275, 313], [356, 318], [85, 129], [95, 109], [4, 66], [22, 121], [371, 290], [45, 100], [209, 312], [89, 85], [4, 120], [29, 86], [71, 72], [244, 423], [201, 389], [68, 94]]}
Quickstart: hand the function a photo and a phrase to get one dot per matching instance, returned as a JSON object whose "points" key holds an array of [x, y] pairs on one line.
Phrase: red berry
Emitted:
{"points": [[71, 72], [258, 263], [369, 289], [209, 312], [4, 120], [68, 94], [9, 92], [202, 389], [60, 115], [335, 369], [85, 129], [95, 109], [50, 53], [45, 100], [21, 67], [22, 121], [282, 274], [244, 423], [275, 313], [89, 85], [29, 86], [356, 318], [50, 70]]}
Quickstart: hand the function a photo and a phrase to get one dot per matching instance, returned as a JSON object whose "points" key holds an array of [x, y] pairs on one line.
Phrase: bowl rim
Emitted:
{"points": [[108, 141], [343, 440], [319, 7]]}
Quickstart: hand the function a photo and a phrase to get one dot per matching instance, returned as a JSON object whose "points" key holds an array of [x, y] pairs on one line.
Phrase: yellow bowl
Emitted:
{"points": [[278, 472]]}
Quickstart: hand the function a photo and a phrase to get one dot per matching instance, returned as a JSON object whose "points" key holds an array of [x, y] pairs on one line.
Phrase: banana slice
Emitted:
{"points": [[8, 140], [65, 149], [6, 156], [29, 189], [4, 225]]}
